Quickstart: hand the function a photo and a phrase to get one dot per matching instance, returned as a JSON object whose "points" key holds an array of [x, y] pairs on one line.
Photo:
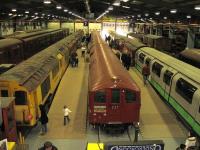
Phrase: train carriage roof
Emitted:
{"points": [[106, 71], [4, 43], [27, 35], [131, 43], [184, 68], [34, 70], [153, 36], [193, 54]]}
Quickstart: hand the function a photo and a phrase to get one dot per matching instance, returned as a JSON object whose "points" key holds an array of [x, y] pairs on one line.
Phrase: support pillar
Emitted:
{"points": [[190, 38]]}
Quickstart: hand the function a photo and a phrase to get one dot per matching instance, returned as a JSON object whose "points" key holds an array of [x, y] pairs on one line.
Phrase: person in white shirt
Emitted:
{"points": [[66, 114], [190, 141]]}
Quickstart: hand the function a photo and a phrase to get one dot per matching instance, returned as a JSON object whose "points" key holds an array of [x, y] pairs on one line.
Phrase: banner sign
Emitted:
{"points": [[142, 145]]}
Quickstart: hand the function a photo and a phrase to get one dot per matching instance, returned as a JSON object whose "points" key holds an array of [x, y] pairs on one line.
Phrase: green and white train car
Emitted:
{"points": [[177, 82]]}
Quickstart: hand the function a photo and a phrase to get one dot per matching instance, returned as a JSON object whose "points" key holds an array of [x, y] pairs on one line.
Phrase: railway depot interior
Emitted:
{"points": [[55, 53]]}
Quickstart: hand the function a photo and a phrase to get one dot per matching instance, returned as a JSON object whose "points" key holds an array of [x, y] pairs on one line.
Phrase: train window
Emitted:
{"points": [[55, 70], [100, 97], [141, 57], [185, 89], [147, 61], [157, 68], [4, 93], [45, 87], [130, 96], [167, 77], [20, 98], [115, 96]]}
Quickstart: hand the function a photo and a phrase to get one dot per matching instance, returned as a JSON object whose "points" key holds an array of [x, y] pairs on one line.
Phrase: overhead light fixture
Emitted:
{"points": [[69, 12], [178, 21], [125, 0], [138, 15], [173, 11], [26, 12], [133, 16], [197, 7], [157, 13], [126, 7], [65, 10], [188, 16], [107, 11], [116, 3], [36, 13], [146, 14], [10, 14], [59, 7], [14, 10], [165, 18], [47, 1], [110, 8]]}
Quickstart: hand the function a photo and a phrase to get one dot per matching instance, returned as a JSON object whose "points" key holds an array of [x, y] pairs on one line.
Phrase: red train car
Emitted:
{"points": [[114, 98]]}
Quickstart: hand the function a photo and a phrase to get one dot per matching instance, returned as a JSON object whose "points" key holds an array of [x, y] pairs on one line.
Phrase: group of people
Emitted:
{"points": [[126, 60], [44, 118], [74, 59]]}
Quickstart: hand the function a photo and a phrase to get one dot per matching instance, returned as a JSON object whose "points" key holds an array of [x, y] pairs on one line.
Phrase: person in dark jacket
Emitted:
{"points": [[43, 119], [181, 147], [48, 146]]}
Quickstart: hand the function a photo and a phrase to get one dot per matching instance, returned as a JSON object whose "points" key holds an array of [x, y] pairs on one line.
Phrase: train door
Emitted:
{"points": [[130, 107], [140, 60], [168, 74], [156, 76], [114, 106]]}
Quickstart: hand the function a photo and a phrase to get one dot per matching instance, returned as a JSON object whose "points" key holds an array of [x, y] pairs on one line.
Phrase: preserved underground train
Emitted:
{"points": [[15, 49], [176, 81], [33, 81], [113, 96]]}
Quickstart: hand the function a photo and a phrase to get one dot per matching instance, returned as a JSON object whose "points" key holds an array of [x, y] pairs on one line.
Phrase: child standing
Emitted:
{"points": [[66, 114]]}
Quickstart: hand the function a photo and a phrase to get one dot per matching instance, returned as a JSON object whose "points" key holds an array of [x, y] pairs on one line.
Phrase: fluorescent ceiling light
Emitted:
{"points": [[14, 10], [125, 0], [69, 12], [157, 13], [116, 3], [173, 11], [139, 15], [65, 10], [197, 7], [26, 12], [36, 13], [59, 7], [107, 11], [188, 16], [125, 6], [165, 18], [146, 14], [47, 1], [10, 14], [110, 8]]}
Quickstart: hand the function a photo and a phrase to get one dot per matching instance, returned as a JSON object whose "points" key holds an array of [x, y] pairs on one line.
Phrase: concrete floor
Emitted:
{"points": [[157, 121]]}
